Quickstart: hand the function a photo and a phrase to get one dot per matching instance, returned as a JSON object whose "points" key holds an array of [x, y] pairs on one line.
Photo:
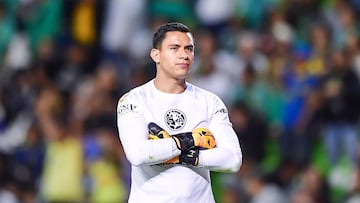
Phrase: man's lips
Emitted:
{"points": [[185, 65]]}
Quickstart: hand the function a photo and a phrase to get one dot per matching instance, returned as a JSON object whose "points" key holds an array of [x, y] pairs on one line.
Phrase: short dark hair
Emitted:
{"points": [[160, 33]]}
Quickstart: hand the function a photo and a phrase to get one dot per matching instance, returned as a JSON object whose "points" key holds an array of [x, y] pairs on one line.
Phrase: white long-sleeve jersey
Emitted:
{"points": [[175, 113]]}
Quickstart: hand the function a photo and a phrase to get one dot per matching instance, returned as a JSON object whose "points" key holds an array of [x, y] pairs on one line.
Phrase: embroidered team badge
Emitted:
{"points": [[175, 119]]}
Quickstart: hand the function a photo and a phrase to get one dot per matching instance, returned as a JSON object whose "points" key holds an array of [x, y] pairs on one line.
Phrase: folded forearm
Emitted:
{"points": [[152, 151], [221, 159], [139, 149]]}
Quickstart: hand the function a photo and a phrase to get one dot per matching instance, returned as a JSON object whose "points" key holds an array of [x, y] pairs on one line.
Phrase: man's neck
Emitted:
{"points": [[170, 86]]}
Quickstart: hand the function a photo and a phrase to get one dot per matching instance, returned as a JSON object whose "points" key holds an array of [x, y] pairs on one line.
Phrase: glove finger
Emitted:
{"points": [[153, 137], [174, 160], [206, 140], [154, 128]]}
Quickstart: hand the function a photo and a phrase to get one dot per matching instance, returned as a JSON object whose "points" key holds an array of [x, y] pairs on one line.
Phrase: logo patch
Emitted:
{"points": [[175, 119], [221, 111], [126, 108]]}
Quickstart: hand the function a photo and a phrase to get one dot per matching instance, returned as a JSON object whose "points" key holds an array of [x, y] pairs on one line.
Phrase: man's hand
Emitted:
{"points": [[190, 156], [156, 132], [187, 157], [199, 137]]}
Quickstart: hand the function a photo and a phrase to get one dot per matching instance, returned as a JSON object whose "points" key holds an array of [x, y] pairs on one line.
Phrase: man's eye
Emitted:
{"points": [[173, 48]]}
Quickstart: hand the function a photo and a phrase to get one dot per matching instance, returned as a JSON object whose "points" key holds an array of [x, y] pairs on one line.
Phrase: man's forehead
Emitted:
{"points": [[181, 38]]}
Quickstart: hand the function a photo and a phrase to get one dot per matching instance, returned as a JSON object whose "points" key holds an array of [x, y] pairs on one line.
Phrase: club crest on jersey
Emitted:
{"points": [[175, 119]]}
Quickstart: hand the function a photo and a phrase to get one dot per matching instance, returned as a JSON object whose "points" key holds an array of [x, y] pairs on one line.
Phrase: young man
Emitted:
{"points": [[173, 133]]}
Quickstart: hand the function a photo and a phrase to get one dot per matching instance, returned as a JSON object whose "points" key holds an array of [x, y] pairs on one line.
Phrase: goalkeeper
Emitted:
{"points": [[174, 133]]}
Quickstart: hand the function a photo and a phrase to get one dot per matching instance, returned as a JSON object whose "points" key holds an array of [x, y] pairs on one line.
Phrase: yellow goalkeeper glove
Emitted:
{"points": [[199, 137], [187, 157], [156, 132]]}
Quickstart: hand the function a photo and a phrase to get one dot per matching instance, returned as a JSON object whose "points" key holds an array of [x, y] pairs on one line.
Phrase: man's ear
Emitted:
{"points": [[155, 55]]}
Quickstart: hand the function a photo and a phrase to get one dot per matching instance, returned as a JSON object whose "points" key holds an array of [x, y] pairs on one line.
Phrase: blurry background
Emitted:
{"points": [[288, 70]]}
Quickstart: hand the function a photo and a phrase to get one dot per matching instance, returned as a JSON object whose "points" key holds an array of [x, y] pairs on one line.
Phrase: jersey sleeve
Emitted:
{"points": [[227, 155], [133, 133]]}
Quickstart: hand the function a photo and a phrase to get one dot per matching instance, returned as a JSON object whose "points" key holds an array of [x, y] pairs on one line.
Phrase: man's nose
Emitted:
{"points": [[184, 55]]}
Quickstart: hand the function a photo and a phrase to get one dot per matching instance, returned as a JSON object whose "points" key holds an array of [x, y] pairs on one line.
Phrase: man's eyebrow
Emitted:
{"points": [[174, 45], [178, 45]]}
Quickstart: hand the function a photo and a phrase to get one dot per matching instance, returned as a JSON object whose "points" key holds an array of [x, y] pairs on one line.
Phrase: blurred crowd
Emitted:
{"points": [[288, 70]]}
